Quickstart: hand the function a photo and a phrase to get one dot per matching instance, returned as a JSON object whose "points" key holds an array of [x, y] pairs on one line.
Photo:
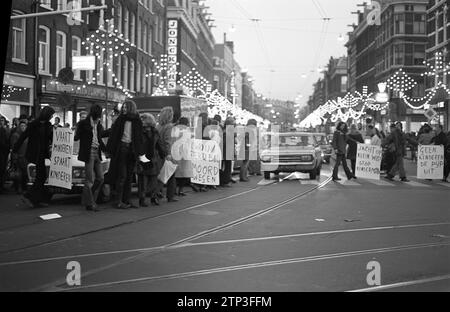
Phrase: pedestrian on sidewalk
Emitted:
{"points": [[397, 142], [165, 128], [148, 172], [340, 146], [125, 147], [40, 136], [89, 132], [353, 139], [248, 147], [441, 139]]}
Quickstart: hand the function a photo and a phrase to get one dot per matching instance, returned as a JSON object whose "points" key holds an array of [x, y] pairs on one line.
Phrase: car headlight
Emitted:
{"points": [[266, 158], [306, 158]]}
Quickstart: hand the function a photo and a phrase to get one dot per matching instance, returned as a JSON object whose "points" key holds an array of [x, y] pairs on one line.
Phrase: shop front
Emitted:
{"points": [[17, 95], [71, 100]]}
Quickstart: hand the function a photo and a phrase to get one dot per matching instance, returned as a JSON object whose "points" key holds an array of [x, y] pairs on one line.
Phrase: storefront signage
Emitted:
{"points": [[172, 61]]}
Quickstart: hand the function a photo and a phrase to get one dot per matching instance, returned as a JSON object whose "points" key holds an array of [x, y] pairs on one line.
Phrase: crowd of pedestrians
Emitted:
{"points": [[395, 145], [137, 145]]}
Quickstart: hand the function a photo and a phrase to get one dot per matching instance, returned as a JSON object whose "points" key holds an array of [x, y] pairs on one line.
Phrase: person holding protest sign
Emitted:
{"points": [[125, 147], [40, 135], [441, 139], [148, 171], [89, 133], [397, 144], [227, 167], [165, 127], [183, 174], [340, 147]]}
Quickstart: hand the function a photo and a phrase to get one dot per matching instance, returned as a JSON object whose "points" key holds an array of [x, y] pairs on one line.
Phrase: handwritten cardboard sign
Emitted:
{"points": [[430, 162], [368, 161], [60, 174], [206, 157]]}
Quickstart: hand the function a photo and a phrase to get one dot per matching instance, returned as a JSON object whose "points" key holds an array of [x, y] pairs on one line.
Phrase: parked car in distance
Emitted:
{"points": [[291, 152]]}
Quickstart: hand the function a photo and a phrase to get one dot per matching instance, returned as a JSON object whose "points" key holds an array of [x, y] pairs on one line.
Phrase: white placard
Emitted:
{"points": [[206, 157], [430, 162], [368, 161], [83, 62], [60, 174]]}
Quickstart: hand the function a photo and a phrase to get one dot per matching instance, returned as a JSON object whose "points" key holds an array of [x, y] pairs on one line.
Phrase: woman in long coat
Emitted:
{"points": [[153, 151], [125, 147], [353, 139], [183, 174]]}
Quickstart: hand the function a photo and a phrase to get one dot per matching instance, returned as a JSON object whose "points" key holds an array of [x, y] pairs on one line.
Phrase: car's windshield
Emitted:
{"points": [[322, 140], [294, 140]]}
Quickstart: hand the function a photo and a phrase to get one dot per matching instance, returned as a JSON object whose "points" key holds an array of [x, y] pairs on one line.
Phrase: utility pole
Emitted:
{"points": [[105, 70], [36, 101]]}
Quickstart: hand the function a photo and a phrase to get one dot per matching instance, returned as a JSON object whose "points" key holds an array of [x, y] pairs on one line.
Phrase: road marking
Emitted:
{"points": [[416, 184], [309, 182], [187, 245], [266, 182], [379, 182], [256, 265], [403, 284]]}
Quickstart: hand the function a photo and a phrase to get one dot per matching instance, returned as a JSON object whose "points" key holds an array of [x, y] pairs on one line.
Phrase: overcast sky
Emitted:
{"points": [[290, 42]]}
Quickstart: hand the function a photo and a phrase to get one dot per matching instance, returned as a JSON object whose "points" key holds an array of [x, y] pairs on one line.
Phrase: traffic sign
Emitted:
{"points": [[430, 114]]}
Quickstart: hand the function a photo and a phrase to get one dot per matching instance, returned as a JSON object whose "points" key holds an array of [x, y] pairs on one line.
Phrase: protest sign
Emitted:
{"points": [[206, 157], [368, 161], [60, 174], [430, 162]]}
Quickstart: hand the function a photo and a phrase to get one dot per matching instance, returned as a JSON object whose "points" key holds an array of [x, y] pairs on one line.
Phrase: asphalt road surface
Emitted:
{"points": [[278, 235]]}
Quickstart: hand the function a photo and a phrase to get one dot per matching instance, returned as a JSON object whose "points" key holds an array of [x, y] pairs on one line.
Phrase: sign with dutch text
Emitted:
{"points": [[60, 173], [430, 162], [368, 161], [172, 59], [206, 158]]}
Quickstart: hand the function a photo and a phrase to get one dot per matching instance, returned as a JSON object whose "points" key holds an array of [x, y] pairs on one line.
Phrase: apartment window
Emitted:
{"points": [[399, 24], [125, 71], [399, 51], [132, 75], [76, 51], [60, 51], [419, 24], [144, 37], [132, 28], [150, 40], [160, 30], [44, 50], [419, 54], [119, 18], [90, 73], [126, 30], [99, 68], [138, 76], [18, 38], [118, 70], [46, 3], [139, 33]]}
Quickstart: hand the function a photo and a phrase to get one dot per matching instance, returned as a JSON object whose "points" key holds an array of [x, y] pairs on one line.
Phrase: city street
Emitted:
{"points": [[263, 236]]}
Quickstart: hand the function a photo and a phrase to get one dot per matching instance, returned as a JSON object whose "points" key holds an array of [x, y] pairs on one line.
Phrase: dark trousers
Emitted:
{"points": [[171, 188], [94, 179], [244, 170], [353, 164], [3, 165], [38, 193], [447, 167], [398, 167], [147, 184], [126, 163], [340, 158], [225, 174]]}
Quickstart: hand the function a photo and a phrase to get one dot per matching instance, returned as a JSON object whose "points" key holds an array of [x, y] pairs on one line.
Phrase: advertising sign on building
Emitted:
{"points": [[172, 49]]}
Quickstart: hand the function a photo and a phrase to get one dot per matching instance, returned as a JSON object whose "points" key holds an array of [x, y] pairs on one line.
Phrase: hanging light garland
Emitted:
{"points": [[8, 91]]}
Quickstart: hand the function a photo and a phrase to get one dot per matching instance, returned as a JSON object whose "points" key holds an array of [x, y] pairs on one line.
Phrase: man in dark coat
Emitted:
{"points": [[40, 135], [353, 139], [340, 147], [89, 133], [441, 139], [397, 140]]}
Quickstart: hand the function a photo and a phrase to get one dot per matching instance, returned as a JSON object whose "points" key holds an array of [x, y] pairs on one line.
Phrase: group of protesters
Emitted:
{"points": [[394, 144], [138, 145]]}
